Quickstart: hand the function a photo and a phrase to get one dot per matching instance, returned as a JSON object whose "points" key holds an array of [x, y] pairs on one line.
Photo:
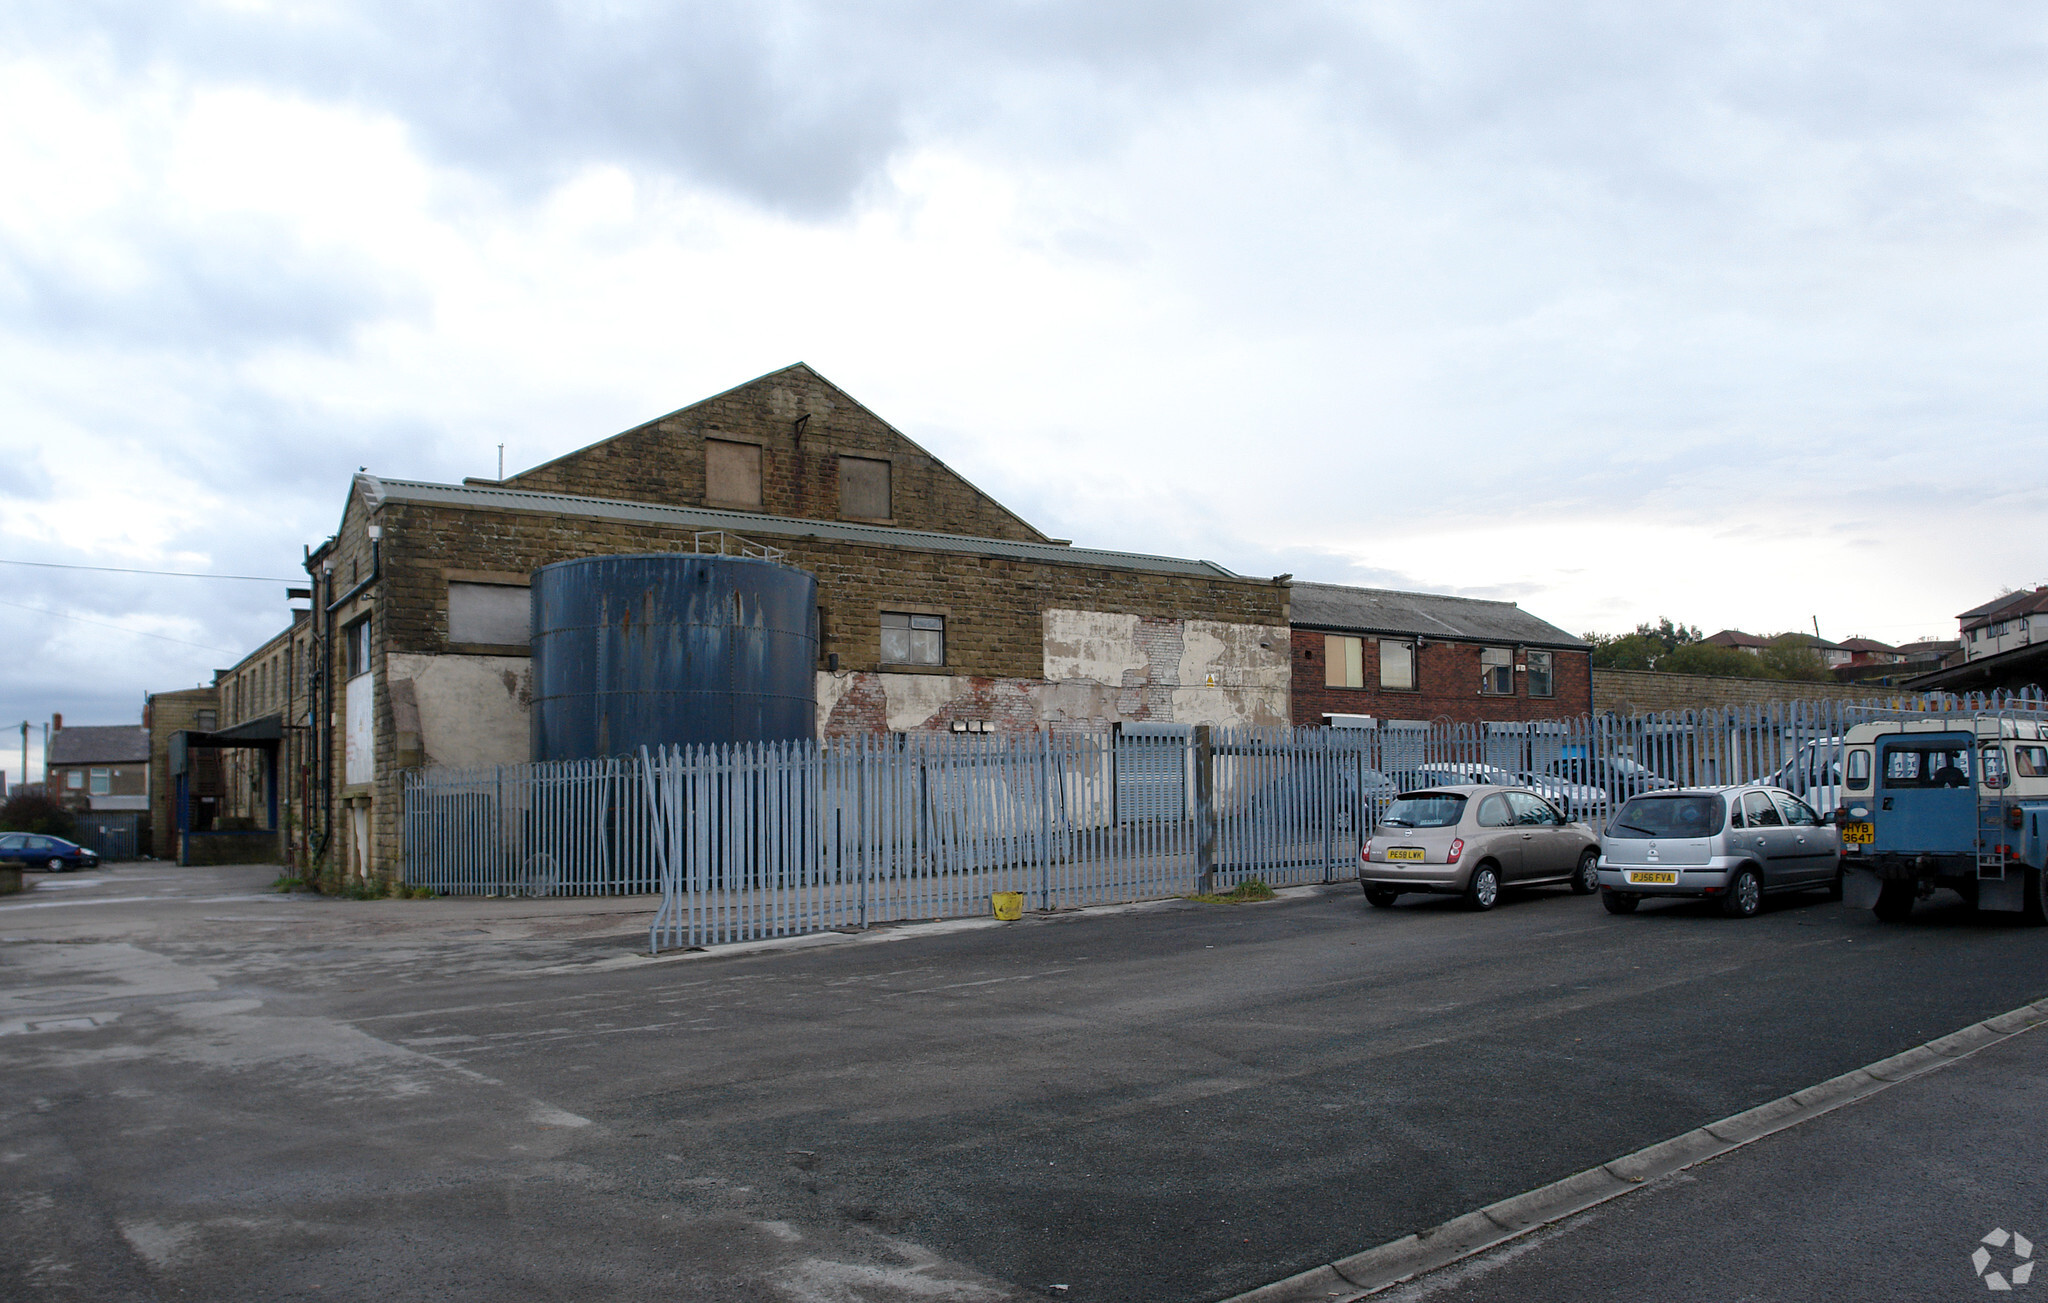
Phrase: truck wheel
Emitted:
{"points": [[1835, 883], [1894, 902], [1620, 902], [2037, 907]]}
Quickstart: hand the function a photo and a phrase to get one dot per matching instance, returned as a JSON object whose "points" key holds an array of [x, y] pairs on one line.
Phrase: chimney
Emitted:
{"points": [[56, 723]]}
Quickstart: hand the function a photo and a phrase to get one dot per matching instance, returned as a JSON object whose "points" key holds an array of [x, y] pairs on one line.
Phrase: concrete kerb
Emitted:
{"points": [[1397, 1261], [889, 932]]}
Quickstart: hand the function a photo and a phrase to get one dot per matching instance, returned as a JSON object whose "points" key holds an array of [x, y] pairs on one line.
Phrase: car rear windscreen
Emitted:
{"points": [[1426, 810], [1668, 816]]}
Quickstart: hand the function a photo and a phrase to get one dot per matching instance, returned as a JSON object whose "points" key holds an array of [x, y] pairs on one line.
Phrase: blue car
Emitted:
{"points": [[36, 851]]}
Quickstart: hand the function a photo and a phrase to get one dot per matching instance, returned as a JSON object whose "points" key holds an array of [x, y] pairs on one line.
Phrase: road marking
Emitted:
{"points": [[1402, 1260]]}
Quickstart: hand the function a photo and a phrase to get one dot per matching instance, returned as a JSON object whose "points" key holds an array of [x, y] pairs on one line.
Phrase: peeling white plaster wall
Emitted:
{"points": [[474, 710], [912, 699], [831, 689], [1099, 646], [1233, 674]]}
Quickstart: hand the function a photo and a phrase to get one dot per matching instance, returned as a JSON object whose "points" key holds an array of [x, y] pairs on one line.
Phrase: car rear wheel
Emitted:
{"points": [[55, 866], [1620, 902], [1587, 880], [1484, 889], [1381, 897], [1745, 895], [1894, 902]]}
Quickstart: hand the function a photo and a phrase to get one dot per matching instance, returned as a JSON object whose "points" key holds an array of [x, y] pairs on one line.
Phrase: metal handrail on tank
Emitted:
{"points": [[719, 539]]}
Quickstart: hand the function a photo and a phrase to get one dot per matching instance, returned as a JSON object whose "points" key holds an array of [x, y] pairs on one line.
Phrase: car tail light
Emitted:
{"points": [[1365, 851], [1457, 849]]}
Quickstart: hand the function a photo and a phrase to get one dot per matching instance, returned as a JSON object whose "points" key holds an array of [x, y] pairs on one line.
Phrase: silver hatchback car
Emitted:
{"points": [[1733, 844]]}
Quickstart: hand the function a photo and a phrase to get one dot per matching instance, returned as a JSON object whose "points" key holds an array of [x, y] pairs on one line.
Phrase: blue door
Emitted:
{"points": [[1926, 795]]}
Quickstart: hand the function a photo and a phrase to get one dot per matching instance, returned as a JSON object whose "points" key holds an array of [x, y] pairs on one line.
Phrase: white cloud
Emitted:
{"points": [[1729, 315]]}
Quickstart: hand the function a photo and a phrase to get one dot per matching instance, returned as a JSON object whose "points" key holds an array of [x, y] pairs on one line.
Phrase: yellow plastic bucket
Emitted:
{"points": [[1009, 905]]}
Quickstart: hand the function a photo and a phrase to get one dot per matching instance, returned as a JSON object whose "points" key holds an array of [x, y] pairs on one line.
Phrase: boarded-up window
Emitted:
{"points": [[864, 488], [500, 614], [732, 473], [1343, 662]]}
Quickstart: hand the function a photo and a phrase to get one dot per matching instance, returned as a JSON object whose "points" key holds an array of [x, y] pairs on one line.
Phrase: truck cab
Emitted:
{"points": [[1954, 800]]}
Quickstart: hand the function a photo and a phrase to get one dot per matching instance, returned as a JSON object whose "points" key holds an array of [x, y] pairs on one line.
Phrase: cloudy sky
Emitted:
{"points": [[1731, 313]]}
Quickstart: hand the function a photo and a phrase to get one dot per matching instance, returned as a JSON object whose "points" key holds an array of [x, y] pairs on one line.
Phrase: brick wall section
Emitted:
{"points": [[1635, 692], [167, 713], [1447, 679], [803, 424]]}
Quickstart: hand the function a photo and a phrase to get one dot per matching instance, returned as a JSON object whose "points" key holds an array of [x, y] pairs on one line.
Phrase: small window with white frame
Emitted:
{"points": [[102, 782], [74, 780], [909, 639]]}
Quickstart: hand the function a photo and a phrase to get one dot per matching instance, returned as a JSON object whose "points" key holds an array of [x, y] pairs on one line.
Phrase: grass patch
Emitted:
{"points": [[1247, 891], [285, 882]]}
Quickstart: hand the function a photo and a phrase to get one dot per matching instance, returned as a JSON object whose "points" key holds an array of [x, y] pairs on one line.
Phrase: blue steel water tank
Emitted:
{"points": [[671, 649]]}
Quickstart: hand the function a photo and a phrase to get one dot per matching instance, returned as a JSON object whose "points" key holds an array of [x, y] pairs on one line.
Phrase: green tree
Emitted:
{"points": [[1791, 656], [1716, 661], [34, 812], [1643, 649]]}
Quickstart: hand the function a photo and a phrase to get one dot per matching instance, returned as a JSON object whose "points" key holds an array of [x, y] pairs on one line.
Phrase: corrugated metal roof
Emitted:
{"points": [[100, 744], [752, 525], [1432, 615]]}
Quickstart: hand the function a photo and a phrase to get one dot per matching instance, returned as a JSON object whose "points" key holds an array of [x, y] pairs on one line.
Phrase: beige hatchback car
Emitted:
{"points": [[1474, 841]]}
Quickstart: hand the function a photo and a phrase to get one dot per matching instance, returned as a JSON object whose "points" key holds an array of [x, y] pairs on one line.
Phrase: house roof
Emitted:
{"points": [[2020, 667], [2004, 607], [1434, 615], [1735, 638], [1867, 645], [752, 525], [100, 744], [1935, 648]]}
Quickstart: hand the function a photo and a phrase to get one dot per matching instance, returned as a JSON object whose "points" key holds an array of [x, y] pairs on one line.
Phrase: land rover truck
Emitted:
{"points": [[1955, 800]]}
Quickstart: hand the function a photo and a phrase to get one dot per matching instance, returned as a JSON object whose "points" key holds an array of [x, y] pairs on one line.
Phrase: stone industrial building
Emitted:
{"points": [[938, 608], [937, 605]]}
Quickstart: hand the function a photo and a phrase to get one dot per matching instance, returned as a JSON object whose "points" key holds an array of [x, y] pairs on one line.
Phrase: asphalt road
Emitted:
{"points": [[1888, 1198], [215, 1095]]}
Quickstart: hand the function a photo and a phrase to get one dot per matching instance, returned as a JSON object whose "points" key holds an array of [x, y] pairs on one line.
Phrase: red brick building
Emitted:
{"points": [[1426, 657]]}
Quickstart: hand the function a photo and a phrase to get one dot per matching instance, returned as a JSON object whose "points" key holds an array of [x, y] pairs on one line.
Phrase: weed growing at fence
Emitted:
{"points": [[285, 882], [1249, 890]]}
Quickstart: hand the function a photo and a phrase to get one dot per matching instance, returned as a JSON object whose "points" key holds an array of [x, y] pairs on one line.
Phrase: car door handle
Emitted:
{"points": [[1761, 842]]}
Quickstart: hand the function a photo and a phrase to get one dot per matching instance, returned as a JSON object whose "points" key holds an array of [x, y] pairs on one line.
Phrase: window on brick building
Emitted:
{"points": [[1497, 671], [1542, 674], [74, 780], [913, 639], [732, 473], [1397, 664], [499, 615], [1343, 662], [864, 488], [207, 721], [102, 782]]}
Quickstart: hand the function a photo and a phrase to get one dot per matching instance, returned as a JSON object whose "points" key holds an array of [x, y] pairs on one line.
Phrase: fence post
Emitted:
{"points": [[1205, 811]]}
